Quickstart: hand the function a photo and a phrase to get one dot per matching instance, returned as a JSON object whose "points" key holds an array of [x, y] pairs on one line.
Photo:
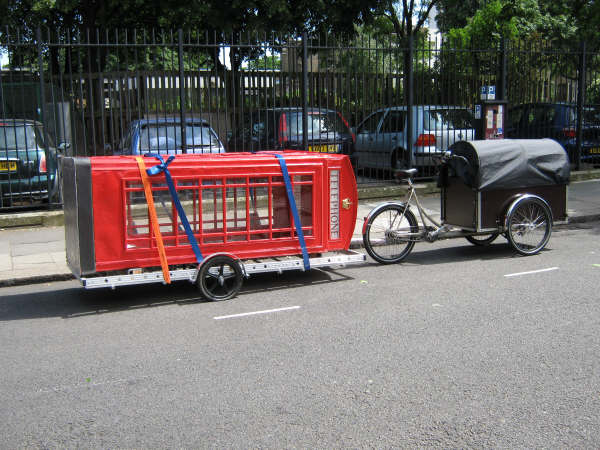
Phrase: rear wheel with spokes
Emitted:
{"points": [[529, 225], [390, 234]]}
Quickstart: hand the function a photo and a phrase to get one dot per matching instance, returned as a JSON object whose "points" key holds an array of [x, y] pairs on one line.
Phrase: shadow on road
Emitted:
{"points": [[421, 255], [69, 303], [56, 301], [458, 250]]}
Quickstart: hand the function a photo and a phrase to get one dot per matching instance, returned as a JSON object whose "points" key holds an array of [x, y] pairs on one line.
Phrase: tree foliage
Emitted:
{"points": [[271, 62], [407, 17], [563, 22], [213, 21]]}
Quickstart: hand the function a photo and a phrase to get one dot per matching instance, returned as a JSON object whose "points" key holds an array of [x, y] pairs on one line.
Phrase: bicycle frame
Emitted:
{"points": [[431, 229], [412, 193]]}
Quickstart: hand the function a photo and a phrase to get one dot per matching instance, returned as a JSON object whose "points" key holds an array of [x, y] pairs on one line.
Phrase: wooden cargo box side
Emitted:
{"points": [[495, 203]]}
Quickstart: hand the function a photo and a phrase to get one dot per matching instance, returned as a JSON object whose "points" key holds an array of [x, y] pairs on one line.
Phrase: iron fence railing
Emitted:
{"points": [[386, 103]]}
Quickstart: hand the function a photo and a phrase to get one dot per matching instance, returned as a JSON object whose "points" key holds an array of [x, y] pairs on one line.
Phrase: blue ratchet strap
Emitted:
{"points": [[162, 167], [292, 202]]}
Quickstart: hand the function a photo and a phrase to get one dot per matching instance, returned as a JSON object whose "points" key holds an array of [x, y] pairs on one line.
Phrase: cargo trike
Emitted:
{"points": [[514, 188]]}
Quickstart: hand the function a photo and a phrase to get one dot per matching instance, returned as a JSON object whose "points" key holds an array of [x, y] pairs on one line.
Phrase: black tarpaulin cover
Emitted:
{"points": [[509, 163]]}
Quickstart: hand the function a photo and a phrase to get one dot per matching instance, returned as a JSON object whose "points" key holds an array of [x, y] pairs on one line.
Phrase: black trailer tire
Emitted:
{"points": [[220, 278]]}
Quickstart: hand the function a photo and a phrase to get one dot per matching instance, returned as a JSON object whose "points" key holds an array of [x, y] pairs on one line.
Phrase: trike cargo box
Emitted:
{"points": [[478, 186]]}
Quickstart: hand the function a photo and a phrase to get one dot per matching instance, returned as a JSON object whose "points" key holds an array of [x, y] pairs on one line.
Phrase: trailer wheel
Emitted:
{"points": [[482, 240], [220, 278], [529, 225]]}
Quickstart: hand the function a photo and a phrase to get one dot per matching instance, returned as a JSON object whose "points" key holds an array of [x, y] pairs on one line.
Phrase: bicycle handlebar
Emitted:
{"points": [[447, 156]]}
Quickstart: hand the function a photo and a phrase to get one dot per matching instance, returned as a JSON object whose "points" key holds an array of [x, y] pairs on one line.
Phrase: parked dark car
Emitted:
{"points": [[27, 172], [163, 135], [281, 128], [557, 121]]}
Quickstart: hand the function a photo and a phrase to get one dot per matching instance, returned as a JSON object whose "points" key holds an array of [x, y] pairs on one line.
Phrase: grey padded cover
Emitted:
{"points": [[510, 163]]}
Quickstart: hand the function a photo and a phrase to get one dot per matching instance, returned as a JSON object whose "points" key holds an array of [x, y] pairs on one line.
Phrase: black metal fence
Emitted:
{"points": [[118, 92]]}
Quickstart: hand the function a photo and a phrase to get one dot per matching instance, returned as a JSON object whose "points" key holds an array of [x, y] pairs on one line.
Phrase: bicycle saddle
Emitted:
{"points": [[403, 174]]}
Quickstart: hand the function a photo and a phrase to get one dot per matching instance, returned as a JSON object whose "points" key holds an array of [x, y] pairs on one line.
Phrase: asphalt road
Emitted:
{"points": [[443, 350]]}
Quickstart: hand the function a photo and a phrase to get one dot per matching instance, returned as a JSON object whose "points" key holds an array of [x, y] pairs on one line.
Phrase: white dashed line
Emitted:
{"points": [[267, 311], [530, 272]]}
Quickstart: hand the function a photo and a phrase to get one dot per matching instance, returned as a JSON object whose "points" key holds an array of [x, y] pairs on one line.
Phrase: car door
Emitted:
{"points": [[538, 122], [391, 137], [366, 140]]}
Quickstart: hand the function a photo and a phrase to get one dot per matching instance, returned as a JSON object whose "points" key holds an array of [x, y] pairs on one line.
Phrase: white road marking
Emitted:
{"points": [[266, 311], [530, 272], [90, 383]]}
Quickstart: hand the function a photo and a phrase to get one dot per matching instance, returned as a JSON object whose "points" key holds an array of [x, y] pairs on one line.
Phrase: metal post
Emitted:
{"points": [[182, 99], [409, 98], [580, 103], [304, 91], [38, 37], [502, 80]]}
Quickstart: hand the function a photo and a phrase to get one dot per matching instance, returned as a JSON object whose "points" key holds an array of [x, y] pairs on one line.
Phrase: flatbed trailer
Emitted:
{"points": [[249, 267]]}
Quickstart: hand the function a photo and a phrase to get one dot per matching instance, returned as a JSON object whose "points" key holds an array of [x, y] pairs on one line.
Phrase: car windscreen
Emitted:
{"points": [[317, 123], [15, 137], [168, 137], [442, 119], [591, 116]]}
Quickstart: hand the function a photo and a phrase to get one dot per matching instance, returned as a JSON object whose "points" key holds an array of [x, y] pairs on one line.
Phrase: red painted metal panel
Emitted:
{"points": [[235, 203]]}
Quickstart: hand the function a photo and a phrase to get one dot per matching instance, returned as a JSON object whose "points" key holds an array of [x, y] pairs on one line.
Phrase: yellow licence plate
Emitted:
{"points": [[330, 148], [595, 150], [8, 166]]}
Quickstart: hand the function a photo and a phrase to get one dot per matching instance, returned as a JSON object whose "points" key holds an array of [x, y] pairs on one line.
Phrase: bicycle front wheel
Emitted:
{"points": [[390, 234]]}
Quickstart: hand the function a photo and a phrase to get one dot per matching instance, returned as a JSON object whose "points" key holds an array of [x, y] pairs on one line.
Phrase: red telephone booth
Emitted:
{"points": [[235, 203]]}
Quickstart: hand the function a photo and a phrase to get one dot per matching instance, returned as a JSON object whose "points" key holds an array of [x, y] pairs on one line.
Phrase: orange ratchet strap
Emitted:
{"points": [[154, 220]]}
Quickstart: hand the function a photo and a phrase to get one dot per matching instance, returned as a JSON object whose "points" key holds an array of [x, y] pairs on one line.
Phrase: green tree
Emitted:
{"points": [[565, 22], [514, 19], [455, 14], [271, 62]]}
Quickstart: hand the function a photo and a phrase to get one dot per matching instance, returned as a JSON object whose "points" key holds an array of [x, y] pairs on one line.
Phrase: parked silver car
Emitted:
{"points": [[381, 139]]}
